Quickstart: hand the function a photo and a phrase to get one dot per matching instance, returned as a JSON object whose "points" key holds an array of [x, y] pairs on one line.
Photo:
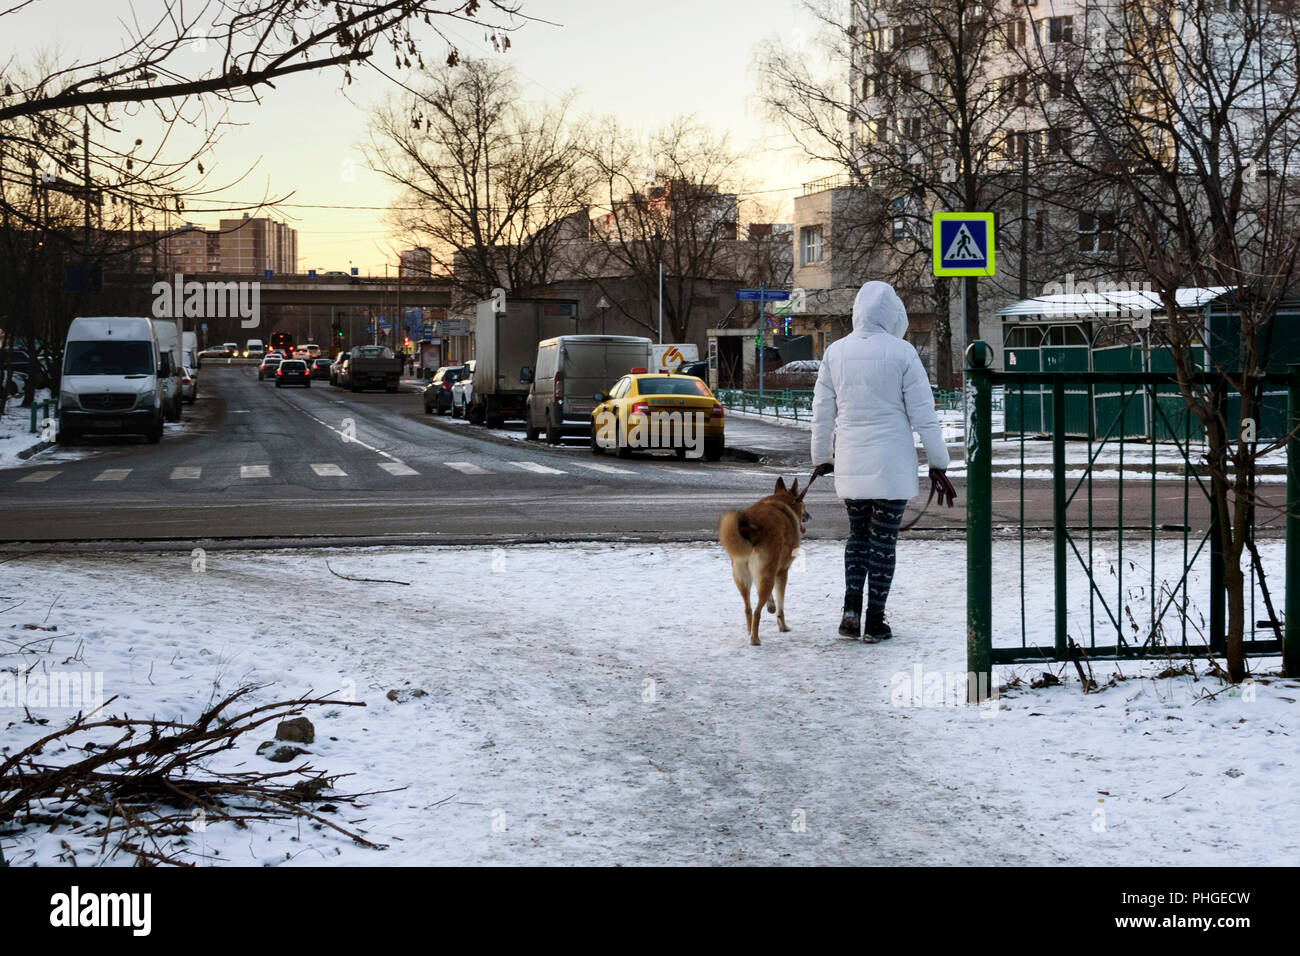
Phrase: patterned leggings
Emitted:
{"points": [[869, 553]]}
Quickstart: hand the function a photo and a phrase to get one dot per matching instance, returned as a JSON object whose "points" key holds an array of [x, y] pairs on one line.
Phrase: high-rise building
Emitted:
{"points": [[416, 263], [251, 246]]}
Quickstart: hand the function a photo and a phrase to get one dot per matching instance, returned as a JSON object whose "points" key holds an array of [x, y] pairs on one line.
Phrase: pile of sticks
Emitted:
{"points": [[145, 790]]}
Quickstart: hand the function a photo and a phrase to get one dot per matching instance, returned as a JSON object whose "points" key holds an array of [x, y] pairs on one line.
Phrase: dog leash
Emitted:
{"points": [[940, 485]]}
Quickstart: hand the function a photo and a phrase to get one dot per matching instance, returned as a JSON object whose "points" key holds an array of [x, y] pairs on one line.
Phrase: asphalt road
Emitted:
{"points": [[252, 461]]}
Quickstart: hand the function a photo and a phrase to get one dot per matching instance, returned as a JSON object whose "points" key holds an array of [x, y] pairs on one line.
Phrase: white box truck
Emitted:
{"points": [[569, 371], [670, 356], [113, 379], [505, 349]]}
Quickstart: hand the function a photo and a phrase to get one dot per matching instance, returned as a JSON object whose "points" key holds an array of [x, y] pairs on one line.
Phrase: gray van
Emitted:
{"points": [[570, 370]]}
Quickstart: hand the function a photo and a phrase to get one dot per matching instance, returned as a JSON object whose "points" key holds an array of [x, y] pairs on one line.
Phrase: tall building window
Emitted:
{"points": [[1060, 29], [1096, 231], [810, 245]]}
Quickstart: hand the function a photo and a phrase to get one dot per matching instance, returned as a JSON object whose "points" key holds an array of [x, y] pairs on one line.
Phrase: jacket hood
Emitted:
{"points": [[877, 309]]}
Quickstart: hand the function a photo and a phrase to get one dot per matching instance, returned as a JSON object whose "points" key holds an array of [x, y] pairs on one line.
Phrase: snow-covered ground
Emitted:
{"points": [[599, 704], [15, 429]]}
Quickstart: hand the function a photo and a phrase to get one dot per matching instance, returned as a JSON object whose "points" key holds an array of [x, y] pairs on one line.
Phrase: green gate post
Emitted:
{"points": [[1058, 509], [979, 527], [1291, 645]]}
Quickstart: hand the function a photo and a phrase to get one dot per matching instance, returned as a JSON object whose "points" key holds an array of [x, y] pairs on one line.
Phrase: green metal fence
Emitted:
{"points": [[795, 404], [1135, 568]]}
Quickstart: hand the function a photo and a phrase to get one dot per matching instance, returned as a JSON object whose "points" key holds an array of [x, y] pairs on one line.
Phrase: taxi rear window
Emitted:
{"points": [[673, 386]]}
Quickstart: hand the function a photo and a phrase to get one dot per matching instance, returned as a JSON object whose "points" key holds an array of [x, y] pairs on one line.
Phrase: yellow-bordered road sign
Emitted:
{"points": [[963, 244]]}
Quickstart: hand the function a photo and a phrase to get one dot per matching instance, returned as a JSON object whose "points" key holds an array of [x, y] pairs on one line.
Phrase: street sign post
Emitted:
{"points": [[762, 295], [962, 245]]}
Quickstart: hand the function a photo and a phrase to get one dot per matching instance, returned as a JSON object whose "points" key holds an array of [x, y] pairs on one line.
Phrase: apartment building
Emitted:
{"points": [[251, 246]]}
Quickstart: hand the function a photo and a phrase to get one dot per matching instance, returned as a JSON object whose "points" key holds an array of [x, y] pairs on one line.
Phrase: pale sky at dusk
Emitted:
{"points": [[644, 63]]}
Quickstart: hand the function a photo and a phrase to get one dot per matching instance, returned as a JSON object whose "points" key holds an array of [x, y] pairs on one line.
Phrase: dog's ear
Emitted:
{"points": [[780, 484], [794, 489]]}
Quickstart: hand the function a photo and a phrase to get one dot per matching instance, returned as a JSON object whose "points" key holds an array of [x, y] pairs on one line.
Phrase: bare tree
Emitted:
{"points": [[488, 181], [63, 126], [924, 109], [667, 201], [1192, 116], [249, 44]]}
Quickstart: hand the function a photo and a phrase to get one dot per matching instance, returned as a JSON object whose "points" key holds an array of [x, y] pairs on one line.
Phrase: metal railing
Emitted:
{"points": [[791, 403], [1136, 566], [46, 408]]}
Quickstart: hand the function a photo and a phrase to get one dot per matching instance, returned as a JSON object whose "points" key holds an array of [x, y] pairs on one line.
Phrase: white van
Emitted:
{"points": [[253, 348], [168, 333], [190, 350], [570, 370], [113, 379]]}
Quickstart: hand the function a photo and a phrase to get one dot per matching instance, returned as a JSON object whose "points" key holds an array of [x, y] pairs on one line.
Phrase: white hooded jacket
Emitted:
{"points": [[872, 392]]}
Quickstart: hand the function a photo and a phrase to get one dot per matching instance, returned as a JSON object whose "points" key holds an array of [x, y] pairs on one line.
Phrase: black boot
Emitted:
{"points": [[877, 630], [851, 622]]}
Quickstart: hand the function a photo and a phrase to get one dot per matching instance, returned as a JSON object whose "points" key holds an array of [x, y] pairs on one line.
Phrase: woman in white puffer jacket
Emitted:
{"points": [[872, 392]]}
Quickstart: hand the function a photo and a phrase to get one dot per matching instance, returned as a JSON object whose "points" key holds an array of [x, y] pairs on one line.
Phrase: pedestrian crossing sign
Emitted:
{"points": [[963, 244]]}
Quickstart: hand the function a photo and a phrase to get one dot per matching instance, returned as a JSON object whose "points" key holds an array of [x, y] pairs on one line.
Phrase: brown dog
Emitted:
{"points": [[761, 541]]}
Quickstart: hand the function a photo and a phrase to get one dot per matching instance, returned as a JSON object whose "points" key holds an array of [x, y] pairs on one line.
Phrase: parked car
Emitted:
{"points": [[270, 365], [320, 368], [292, 372], [230, 350], [189, 386], [699, 369], [625, 420], [462, 390], [799, 374], [437, 394]]}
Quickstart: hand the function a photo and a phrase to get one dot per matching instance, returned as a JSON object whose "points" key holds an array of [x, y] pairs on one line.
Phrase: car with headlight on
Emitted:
{"points": [[649, 412]]}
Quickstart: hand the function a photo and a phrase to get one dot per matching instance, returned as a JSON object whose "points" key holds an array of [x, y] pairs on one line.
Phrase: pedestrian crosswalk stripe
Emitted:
{"points": [[607, 469], [186, 472], [112, 474], [397, 468], [535, 468], [467, 468], [39, 476], [254, 471], [329, 471]]}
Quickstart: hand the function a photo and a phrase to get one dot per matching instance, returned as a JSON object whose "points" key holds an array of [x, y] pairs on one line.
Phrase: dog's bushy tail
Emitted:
{"points": [[737, 533]]}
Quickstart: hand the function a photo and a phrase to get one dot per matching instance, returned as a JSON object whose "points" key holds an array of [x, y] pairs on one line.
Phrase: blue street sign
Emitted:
{"points": [[963, 244], [370, 330], [267, 273], [762, 295], [355, 270], [427, 331], [311, 273]]}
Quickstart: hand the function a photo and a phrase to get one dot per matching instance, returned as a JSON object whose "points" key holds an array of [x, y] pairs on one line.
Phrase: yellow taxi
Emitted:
{"points": [[647, 411]]}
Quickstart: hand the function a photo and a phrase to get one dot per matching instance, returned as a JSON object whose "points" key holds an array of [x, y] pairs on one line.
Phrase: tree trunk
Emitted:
{"points": [[1234, 650], [943, 371]]}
